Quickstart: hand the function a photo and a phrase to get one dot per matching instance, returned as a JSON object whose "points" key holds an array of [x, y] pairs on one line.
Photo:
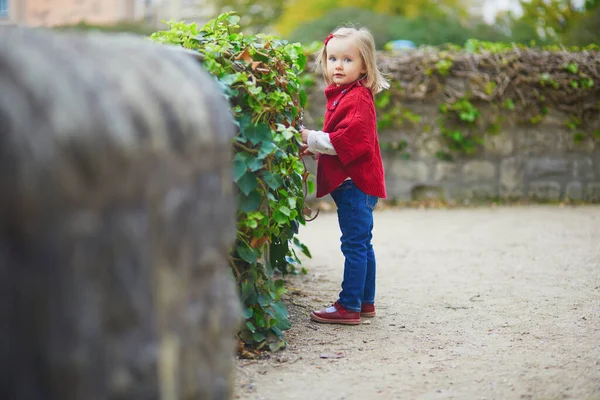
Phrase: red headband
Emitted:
{"points": [[327, 39]]}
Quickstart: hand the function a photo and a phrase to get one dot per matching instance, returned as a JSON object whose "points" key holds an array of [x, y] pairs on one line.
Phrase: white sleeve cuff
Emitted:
{"points": [[319, 142]]}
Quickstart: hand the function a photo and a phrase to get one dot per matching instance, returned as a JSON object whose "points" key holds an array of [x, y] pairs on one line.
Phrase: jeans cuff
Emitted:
{"points": [[348, 308]]}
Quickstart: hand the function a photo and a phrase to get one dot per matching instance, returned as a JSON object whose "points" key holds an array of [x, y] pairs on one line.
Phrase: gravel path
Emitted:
{"points": [[483, 303]]}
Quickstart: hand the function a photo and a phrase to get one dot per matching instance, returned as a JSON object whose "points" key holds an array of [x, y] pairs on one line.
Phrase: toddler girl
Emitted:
{"points": [[349, 164]]}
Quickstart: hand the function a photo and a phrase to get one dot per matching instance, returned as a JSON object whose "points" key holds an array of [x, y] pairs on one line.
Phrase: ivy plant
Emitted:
{"points": [[260, 76], [481, 84]]}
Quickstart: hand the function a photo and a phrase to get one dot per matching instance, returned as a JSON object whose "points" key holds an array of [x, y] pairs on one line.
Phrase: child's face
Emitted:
{"points": [[344, 64]]}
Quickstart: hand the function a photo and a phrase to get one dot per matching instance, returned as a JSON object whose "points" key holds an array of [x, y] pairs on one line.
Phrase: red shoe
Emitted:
{"points": [[336, 314], [367, 310]]}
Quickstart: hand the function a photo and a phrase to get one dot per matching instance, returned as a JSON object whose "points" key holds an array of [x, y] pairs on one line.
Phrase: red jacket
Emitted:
{"points": [[351, 123]]}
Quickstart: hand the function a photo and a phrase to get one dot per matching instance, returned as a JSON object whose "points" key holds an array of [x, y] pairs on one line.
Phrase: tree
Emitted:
{"points": [[256, 15], [586, 30], [299, 12], [378, 24], [553, 17]]}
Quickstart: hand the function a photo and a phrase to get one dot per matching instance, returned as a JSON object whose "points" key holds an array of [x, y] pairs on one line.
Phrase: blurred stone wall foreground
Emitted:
{"points": [[116, 216]]}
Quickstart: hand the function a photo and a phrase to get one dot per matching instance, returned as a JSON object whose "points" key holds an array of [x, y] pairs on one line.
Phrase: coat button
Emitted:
{"points": [[344, 91], [335, 103]]}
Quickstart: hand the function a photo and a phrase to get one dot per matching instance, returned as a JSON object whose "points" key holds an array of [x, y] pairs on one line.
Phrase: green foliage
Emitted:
{"points": [[318, 29], [460, 139], [433, 29], [391, 114], [436, 28], [301, 12], [463, 109], [124, 27], [561, 21], [260, 76], [255, 15], [586, 30], [553, 17]]}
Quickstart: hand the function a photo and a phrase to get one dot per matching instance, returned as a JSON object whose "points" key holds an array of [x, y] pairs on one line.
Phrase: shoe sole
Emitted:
{"points": [[334, 321], [368, 315]]}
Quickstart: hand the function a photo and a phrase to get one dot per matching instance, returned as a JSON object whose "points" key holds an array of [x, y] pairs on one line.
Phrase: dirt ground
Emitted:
{"points": [[482, 303]]}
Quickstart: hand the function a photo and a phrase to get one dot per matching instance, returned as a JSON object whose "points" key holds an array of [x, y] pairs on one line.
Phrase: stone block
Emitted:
{"points": [[446, 171], [592, 192], [541, 140], [116, 216], [512, 178], [549, 168], [483, 191], [429, 147], [501, 144], [583, 168], [427, 192], [408, 170], [574, 191], [478, 171], [399, 190], [544, 191]]}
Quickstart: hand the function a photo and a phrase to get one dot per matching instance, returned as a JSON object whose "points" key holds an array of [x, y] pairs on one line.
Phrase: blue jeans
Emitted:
{"points": [[355, 216]]}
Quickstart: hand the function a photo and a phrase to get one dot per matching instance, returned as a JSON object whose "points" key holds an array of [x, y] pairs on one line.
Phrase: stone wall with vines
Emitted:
{"points": [[488, 121]]}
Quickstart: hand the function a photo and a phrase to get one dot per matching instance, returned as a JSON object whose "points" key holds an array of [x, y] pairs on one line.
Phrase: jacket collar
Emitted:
{"points": [[335, 93]]}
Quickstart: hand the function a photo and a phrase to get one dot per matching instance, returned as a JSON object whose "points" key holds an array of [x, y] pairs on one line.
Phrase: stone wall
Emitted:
{"points": [[116, 218], [538, 162]]}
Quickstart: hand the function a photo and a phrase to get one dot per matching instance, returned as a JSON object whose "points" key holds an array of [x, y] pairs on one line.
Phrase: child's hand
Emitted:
{"points": [[304, 133], [305, 152]]}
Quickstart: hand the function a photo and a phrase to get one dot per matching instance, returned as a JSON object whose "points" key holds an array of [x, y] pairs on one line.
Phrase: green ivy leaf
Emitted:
{"points": [[248, 292], [251, 202], [247, 183], [258, 133], [258, 337], [233, 19], [303, 98], [301, 62], [303, 248], [280, 218], [273, 181], [247, 254], [251, 326], [285, 211], [311, 186], [247, 312], [239, 169], [262, 300], [281, 313], [266, 148], [253, 163]]}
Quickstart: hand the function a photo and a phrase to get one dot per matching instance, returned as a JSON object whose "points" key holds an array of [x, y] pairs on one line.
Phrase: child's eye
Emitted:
{"points": [[332, 58], [347, 60]]}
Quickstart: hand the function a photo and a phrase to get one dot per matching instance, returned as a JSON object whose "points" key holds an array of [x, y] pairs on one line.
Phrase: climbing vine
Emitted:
{"points": [[260, 77]]}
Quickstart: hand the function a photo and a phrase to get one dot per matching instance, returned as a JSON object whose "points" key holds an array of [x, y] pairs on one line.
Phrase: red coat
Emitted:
{"points": [[351, 123]]}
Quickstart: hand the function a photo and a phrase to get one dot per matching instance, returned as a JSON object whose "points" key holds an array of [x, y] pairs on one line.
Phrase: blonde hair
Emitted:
{"points": [[374, 79]]}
